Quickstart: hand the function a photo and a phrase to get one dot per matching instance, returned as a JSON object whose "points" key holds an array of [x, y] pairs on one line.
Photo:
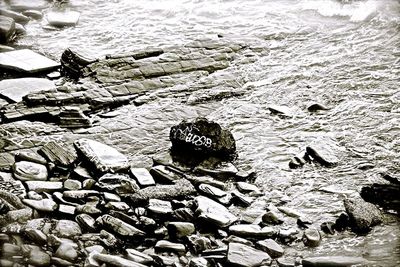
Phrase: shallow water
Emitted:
{"points": [[345, 56]]}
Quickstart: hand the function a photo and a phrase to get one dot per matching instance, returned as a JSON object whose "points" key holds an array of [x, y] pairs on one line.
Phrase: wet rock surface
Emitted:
{"points": [[362, 215]]}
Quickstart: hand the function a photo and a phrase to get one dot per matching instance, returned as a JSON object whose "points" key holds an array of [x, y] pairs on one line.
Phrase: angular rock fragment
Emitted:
{"points": [[137, 256], [271, 247], [74, 62], [73, 117], [30, 171], [241, 199], [17, 17], [272, 217], [30, 156], [7, 28], [281, 110], [362, 215], [324, 151], [242, 255], [202, 138], [120, 227], [213, 212], [164, 174], [64, 156], [46, 205], [37, 257], [199, 243], [63, 19], [86, 222], [26, 60], [67, 229], [142, 176], [119, 183], [199, 262], [103, 157], [246, 187], [71, 184], [337, 261], [182, 188]]}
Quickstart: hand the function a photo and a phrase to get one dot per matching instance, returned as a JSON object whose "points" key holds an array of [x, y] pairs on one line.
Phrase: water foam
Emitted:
{"points": [[354, 10]]}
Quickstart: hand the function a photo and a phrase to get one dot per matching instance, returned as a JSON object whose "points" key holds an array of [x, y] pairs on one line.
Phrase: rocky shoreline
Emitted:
{"points": [[80, 202]]}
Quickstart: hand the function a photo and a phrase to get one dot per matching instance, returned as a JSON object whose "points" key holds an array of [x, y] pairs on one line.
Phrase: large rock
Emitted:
{"points": [[246, 256], [332, 261], [73, 63], [29, 171], [203, 138], [213, 212], [103, 157], [7, 28], [61, 155], [15, 89], [26, 60], [271, 247], [17, 17], [362, 215], [62, 19], [324, 151], [44, 186], [46, 205], [384, 195]]}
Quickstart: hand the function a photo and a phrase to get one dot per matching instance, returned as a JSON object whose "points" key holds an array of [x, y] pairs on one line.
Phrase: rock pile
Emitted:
{"points": [[86, 205]]}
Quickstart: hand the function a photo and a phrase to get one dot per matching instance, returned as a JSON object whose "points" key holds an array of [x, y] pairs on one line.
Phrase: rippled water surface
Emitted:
{"points": [[346, 56]]}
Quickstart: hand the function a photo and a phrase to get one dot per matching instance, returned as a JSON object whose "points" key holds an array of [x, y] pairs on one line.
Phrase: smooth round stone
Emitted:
{"points": [[311, 237], [67, 252], [30, 171]]}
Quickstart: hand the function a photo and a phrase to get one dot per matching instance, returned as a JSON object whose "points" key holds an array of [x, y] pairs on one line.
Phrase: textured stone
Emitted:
{"points": [[46, 205], [43, 186], [182, 188], [142, 176], [242, 255], [7, 28], [86, 222], [362, 215], [27, 171], [324, 151], [271, 247], [71, 184], [168, 246], [67, 251], [67, 228], [103, 157], [26, 60], [213, 212], [120, 227], [119, 183], [179, 230], [62, 155], [160, 207], [202, 137]]}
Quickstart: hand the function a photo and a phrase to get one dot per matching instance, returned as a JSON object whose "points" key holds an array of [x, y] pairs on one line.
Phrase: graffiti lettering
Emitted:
{"points": [[187, 136]]}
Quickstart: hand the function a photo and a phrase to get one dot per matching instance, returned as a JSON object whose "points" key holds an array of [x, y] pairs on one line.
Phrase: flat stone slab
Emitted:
{"points": [[103, 157], [26, 60], [63, 19], [21, 5], [15, 89]]}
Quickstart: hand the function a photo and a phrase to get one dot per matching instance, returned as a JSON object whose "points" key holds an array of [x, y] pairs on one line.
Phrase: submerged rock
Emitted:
{"points": [[332, 261], [103, 157], [213, 212], [202, 138], [324, 151], [7, 28], [63, 19], [362, 215], [246, 256]]}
